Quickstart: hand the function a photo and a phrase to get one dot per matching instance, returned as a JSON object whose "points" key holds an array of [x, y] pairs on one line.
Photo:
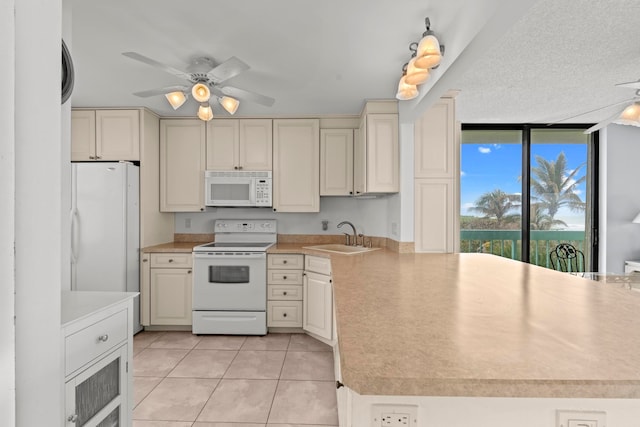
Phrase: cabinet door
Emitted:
{"points": [[99, 396], [145, 289], [383, 154], [182, 162], [117, 135], [318, 310], [171, 296], [223, 139], [83, 135], [256, 144], [435, 142], [336, 162], [435, 213], [359, 158], [296, 165]]}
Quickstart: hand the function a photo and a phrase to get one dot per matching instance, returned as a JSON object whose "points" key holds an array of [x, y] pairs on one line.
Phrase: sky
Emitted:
{"points": [[485, 167]]}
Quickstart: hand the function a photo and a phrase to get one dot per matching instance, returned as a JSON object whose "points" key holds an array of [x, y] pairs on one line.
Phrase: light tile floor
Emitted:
{"points": [[184, 380]]}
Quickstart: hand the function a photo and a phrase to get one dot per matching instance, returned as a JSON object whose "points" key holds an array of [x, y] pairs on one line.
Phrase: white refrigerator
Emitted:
{"points": [[105, 224]]}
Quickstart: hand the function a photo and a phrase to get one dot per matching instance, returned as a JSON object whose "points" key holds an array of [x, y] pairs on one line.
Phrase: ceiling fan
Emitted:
{"points": [[629, 114], [205, 84]]}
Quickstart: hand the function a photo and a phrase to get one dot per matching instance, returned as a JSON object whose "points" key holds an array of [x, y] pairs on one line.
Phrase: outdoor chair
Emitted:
{"points": [[565, 257]]}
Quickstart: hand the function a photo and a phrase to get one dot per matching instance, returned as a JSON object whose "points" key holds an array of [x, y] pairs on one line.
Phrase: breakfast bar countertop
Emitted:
{"points": [[480, 325]]}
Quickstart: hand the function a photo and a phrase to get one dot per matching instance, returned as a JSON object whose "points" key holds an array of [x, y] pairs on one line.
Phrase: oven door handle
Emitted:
{"points": [[229, 255]]}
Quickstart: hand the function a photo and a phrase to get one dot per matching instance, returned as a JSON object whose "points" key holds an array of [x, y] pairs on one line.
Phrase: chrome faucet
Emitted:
{"points": [[355, 234]]}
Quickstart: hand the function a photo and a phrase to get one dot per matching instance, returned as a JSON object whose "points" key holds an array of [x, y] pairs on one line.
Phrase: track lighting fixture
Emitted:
{"points": [[425, 56]]}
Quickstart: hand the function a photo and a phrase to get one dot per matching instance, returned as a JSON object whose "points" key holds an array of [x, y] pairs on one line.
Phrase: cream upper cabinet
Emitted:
{"points": [[296, 165], [239, 144], [336, 162], [435, 215], [105, 135], [377, 154], [182, 163], [435, 142]]}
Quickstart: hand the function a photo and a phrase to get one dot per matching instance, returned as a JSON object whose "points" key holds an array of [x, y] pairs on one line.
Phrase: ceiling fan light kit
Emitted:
{"points": [[206, 82], [425, 56], [630, 115]]}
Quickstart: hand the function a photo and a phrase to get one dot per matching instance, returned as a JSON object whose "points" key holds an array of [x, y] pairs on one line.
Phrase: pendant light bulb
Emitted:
{"points": [[406, 91], [416, 76], [229, 104], [205, 113], [428, 54], [176, 99], [200, 92]]}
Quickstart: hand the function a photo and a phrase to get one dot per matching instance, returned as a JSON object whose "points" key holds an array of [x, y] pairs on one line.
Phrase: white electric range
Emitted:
{"points": [[230, 278]]}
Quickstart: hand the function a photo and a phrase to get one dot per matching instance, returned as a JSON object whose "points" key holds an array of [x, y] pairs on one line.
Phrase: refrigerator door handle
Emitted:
{"points": [[74, 235]]}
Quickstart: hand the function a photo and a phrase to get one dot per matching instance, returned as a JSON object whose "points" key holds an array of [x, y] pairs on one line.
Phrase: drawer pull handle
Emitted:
{"points": [[284, 277], [284, 314], [144, 260], [72, 418], [284, 293], [189, 272], [170, 260], [339, 384], [284, 261], [103, 338]]}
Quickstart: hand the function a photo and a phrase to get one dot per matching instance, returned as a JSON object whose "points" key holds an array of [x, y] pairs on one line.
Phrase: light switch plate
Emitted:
{"points": [[571, 418]]}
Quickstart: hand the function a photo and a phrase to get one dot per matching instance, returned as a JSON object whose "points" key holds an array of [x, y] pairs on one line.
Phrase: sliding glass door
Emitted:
{"points": [[525, 189]]}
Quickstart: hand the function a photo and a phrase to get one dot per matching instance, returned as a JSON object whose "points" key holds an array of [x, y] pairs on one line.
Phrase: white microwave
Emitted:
{"points": [[238, 188]]}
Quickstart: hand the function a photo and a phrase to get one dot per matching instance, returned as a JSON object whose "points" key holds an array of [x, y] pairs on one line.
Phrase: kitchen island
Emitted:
{"points": [[461, 335]]}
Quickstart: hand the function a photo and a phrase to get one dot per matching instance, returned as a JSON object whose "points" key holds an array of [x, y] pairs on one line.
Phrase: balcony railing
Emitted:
{"points": [[507, 243]]}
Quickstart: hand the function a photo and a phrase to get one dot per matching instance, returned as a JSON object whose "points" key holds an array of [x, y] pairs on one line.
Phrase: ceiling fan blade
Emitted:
{"points": [[246, 95], [229, 68], [604, 123], [156, 64], [161, 91], [633, 85], [594, 110]]}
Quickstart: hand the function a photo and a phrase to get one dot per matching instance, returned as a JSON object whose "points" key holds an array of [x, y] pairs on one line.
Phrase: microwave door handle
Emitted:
{"points": [[252, 193]]}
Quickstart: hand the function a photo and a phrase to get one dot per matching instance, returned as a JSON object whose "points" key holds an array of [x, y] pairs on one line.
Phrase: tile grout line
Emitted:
{"points": [[273, 399]]}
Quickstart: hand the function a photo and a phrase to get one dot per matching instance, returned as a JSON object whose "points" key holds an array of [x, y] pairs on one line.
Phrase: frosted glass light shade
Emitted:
{"points": [[636, 220], [205, 113], [428, 54], [229, 104], [416, 76], [630, 115], [176, 99], [406, 91], [200, 92]]}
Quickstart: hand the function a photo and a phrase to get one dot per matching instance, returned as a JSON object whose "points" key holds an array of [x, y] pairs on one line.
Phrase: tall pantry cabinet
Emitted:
{"points": [[437, 178]]}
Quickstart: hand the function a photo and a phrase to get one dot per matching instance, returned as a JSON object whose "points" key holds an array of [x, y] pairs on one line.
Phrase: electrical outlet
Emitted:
{"points": [[566, 418], [394, 415]]}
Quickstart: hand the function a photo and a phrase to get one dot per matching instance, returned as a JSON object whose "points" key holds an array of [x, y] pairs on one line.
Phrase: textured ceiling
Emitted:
{"points": [[326, 57]]}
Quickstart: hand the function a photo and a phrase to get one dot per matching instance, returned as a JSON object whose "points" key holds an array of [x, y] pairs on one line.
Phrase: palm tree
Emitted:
{"points": [[497, 204], [555, 187], [541, 220]]}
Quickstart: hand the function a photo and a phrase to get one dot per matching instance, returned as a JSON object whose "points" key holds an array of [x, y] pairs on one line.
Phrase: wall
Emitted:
{"points": [[370, 217], [620, 177], [38, 212], [7, 232]]}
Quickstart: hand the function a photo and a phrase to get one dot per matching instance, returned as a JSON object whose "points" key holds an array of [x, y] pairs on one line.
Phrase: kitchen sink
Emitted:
{"points": [[341, 249]]}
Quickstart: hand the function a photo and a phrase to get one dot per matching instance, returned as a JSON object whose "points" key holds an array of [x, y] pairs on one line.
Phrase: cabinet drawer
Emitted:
{"points": [[317, 264], [284, 277], [284, 292], [284, 313], [92, 341], [285, 261], [171, 260]]}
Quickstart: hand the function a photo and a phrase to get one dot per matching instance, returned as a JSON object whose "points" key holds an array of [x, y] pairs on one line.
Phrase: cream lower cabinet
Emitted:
{"points": [[169, 298], [284, 290], [318, 297], [296, 165], [336, 162], [105, 135], [182, 165]]}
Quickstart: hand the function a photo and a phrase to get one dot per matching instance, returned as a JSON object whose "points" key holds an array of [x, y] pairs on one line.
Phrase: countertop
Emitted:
{"points": [[78, 304], [480, 325], [172, 247]]}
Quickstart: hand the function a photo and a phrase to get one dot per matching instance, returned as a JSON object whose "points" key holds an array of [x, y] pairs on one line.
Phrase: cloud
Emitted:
{"points": [[484, 150], [497, 146], [462, 173]]}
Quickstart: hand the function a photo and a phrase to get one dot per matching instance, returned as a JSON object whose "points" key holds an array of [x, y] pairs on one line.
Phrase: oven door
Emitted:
{"points": [[230, 191], [233, 281]]}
